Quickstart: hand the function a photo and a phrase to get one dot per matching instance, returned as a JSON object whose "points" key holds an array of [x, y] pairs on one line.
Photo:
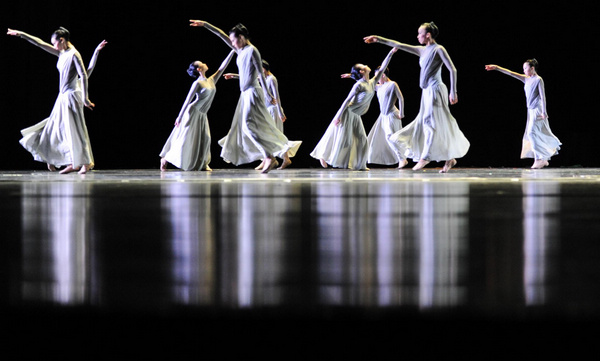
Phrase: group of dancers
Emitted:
{"points": [[256, 132]]}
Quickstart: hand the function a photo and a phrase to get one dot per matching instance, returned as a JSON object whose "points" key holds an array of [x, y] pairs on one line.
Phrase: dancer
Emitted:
{"points": [[344, 144], [434, 134], [539, 142], [273, 105], [62, 139], [253, 135], [188, 146], [381, 149]]}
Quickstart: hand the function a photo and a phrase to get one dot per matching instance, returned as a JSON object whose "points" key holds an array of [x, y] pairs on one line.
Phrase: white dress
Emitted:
{"points": [[344, 145], [276, 110], [433, 134], [538, 141], [381, 149], [188, 146], [253, 135], [62, 138]]}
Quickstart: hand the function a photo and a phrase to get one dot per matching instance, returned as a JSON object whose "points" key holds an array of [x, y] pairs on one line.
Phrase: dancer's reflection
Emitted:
{"points": [[57, 256]]}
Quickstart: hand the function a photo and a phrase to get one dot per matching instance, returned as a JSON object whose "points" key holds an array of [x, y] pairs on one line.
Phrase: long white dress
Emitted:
{"points": [[381, 149], [188, 146], [538, 141], [344, 145], [434, 134], [253, 135], [62, 138]]}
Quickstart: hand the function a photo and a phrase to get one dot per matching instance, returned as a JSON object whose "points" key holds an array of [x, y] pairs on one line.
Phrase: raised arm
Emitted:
{"points": [[92, 64], [393, 43], [223, 66], [453, 96], [35, 41], [84, 79], [188, 100], [213, 29], [515, 75], [384, 65]]}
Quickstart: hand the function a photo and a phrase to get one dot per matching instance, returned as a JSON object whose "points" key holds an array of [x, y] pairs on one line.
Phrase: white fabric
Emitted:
{"points": [[381, 149]]}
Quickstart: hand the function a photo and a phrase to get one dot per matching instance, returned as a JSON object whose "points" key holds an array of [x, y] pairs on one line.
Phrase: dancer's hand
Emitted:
{"points": [[371, 39], [491, 67], [338, 121], [88, 104], [197, 23], [229, 76], [13, 32], [101, 45], [346, 75], [453, 98]]}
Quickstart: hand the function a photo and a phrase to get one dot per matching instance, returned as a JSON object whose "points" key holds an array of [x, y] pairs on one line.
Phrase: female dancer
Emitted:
{"points": [[344, 144], [434, 134], [253, 134], [539, 142], [188, 146], [381, 149], [62, 139]]}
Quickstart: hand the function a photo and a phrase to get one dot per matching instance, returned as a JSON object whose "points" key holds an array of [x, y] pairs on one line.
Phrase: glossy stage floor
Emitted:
{"points": [[497, 261]]}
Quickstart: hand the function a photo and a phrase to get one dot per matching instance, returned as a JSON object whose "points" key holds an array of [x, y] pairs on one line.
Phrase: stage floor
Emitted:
{"points": [[480, 256]]}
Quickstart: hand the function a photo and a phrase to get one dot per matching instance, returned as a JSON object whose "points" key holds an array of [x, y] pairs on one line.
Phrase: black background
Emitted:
{"points": [[140, 81]]}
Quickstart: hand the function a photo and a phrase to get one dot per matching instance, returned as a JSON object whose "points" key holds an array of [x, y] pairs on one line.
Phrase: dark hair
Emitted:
{"points": [[62, 33], [193, 70], [240, 29], [266, 65], [386, 71], [355, 73], [431, 28], [533, 63]]}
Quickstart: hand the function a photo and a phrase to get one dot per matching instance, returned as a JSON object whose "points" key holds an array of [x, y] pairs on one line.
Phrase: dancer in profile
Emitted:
{"points": [[539, 142], [253, 135], [434, 135], [344, 144], [381, 149], [188, 146], [62, 139], [273, 105]]}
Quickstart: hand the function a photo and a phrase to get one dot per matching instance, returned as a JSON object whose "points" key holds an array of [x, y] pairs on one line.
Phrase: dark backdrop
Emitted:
{"points": [[140, 81]]}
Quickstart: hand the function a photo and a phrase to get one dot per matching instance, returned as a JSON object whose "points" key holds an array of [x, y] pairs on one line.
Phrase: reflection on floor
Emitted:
{"points": [[473, 257]]}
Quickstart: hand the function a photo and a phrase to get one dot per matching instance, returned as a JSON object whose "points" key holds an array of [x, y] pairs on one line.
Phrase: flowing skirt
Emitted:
{"points": [[61, 139], [188, 146], [381, 149], [433, 134], [344, 145], [538, 141], [253, 135]]}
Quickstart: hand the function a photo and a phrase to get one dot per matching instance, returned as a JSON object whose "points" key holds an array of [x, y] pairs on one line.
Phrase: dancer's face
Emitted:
{"points": [[238, 42], [528, 69], [58, 43], [200, 66], [423, 36], [364, 69]]}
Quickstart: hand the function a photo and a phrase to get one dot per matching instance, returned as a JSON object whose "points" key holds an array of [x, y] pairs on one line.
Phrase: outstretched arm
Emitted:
{"points": [[384, 64], [92, 64], [223, 66], [34, 40], [213, 29], [515, 75], [188, 100], [393, 43], [453, 96]]}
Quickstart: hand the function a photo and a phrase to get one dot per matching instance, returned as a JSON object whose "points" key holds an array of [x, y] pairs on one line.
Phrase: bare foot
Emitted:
{"points": [[402, 164], [539, 164], [51, 168], [163, 164], [286, 163], [449, 164], [270, 163], [208, 169], [422, 163], [261, 165], [323, 163], [68, 169], [84, 169]]}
